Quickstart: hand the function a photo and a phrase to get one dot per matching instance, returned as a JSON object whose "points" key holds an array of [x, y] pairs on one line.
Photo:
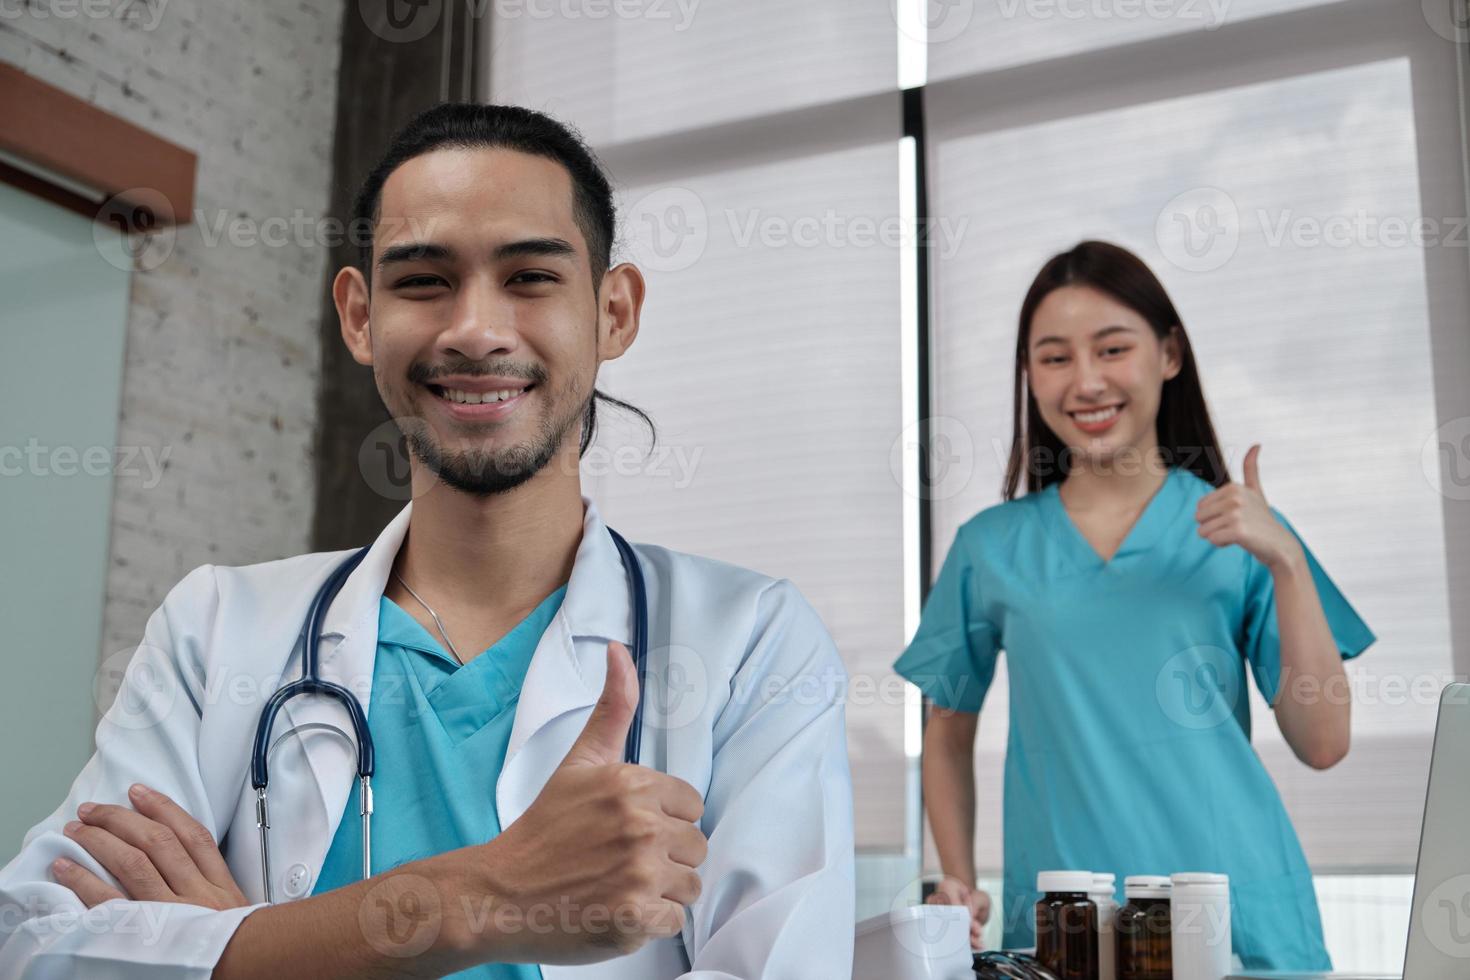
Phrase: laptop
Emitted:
{"points": [[1439, 918]]}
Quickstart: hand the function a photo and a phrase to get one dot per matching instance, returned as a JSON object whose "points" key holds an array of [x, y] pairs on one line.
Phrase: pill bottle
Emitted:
{"points": [[1199, 907], [1144, 939], [1104, 895], [1066, 925]]}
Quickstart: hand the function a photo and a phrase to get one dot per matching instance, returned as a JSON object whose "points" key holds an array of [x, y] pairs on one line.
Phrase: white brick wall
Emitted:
{"points": [[222, 345]]}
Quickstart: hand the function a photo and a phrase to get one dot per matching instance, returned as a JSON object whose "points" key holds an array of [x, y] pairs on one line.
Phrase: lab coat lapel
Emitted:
{"points": [[567, 670], [348, 651]]}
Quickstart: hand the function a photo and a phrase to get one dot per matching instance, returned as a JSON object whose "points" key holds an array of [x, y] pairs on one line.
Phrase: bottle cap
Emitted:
{"points": [[1146, 886], [1200, 881], [1068, 882]]}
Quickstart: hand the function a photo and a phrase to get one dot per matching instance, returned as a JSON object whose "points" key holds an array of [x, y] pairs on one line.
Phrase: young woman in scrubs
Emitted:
{"points": [[1132, 587]]}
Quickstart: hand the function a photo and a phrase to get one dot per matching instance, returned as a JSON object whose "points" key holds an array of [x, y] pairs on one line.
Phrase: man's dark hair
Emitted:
{"points": [[468, 125]]}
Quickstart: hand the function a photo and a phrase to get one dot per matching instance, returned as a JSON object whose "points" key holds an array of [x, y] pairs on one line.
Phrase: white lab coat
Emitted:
{"points": [[744, 702]]}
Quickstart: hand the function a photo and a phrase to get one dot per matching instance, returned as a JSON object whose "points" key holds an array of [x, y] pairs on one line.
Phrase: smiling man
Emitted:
{"points": [[486, 633]]}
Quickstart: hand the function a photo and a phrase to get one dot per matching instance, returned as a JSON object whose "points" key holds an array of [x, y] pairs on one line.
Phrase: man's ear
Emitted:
{"points": [[620, 303], [1173, 359], [350, 293]]}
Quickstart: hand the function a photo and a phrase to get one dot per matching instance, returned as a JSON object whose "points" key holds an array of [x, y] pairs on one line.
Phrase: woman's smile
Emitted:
{"points": [[1096, 421]]}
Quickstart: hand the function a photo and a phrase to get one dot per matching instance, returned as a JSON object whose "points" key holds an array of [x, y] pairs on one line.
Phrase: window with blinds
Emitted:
{"points": [[1292, 169], [1307, 219]]}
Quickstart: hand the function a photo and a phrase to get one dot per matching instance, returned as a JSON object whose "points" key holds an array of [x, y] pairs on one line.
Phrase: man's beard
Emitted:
{"points": [[486, 472]]}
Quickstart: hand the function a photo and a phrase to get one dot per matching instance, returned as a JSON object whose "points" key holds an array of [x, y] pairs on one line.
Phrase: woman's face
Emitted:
{"points": [[1096, 369]]}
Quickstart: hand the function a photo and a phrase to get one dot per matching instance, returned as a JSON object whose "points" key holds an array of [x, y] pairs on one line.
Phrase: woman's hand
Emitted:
{"points": [[1313, 701], [952, 891], [158, 853], [1239, 514]]}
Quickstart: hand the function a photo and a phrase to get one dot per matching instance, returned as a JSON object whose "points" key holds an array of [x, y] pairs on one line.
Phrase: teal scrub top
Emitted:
{"points": [[1129, 745], [440, 732]]}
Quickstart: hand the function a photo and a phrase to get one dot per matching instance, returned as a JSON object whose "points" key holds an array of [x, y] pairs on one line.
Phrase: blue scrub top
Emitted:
{"points": [[1129, 745], [440, 731]]}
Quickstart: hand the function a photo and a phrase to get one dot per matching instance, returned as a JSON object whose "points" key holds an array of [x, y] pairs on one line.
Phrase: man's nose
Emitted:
{"points": [[481, 324]]}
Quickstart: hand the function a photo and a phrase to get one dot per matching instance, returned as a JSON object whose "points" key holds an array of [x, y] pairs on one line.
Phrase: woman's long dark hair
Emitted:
{"points": [[1186, 436]]}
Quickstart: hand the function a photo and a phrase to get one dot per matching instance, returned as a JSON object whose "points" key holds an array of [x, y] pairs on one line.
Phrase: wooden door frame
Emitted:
{"points": [[88, 160]]}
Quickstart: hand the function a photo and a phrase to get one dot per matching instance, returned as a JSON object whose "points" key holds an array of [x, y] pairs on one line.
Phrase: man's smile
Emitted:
{"points": [[481, 399]]}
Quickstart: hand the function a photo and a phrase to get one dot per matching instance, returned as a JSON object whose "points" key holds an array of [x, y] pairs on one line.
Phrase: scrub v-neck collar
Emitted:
{"points": [[467, 697], [398, 627], [1145, 531]]}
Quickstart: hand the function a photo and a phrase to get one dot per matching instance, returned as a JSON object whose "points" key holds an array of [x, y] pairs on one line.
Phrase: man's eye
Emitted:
{"points": [[1112, 351], [533, 277], [418, 281]]}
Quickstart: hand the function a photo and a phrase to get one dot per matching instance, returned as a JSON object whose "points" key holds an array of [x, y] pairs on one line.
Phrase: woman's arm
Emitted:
{"points": [[949, 799], [949, 789], [1313, 704]]}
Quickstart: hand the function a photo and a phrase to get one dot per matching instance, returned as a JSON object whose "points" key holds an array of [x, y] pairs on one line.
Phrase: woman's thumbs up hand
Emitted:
{"points": [[1253, 470], [1239, 514]]}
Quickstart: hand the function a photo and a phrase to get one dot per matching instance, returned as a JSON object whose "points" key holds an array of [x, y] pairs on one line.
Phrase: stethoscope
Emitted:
{"points": [[1001, 965], [311, 683]]}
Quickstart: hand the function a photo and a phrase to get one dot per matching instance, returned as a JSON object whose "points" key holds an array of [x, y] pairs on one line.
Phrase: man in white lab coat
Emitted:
{"points": [[484, 305]]}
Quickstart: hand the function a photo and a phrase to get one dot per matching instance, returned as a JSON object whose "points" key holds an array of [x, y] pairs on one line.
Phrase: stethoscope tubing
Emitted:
{"points": [[311, 683]]}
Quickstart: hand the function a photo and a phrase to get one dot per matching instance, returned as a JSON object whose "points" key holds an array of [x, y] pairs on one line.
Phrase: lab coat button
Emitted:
{"points": [[297, 880]]}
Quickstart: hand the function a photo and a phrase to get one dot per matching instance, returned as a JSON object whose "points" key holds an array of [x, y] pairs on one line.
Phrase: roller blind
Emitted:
{"points": [[984, 35], [769, 361], [756, 155], [1310, 228], [634, 69]]}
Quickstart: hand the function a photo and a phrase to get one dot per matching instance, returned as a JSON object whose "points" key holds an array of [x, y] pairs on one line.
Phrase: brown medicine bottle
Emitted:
{"points": [[1144, 939], [1066, 925]]}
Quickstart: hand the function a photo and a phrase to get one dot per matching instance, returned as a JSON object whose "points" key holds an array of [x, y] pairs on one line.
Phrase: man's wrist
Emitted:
{"points": [[468, 934], [407, 922]]}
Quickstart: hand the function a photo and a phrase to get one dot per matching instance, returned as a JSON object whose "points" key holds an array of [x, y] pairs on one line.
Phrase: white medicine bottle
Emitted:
{"points": [[1104, 895], [1200, 923]]}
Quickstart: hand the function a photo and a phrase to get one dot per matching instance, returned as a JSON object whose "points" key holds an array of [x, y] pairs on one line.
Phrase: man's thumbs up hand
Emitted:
{"points": [[606, 733], [607, 852]]}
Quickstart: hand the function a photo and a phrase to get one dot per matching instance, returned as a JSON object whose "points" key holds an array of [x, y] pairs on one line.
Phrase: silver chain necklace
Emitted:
{"points": [[430, 610]]}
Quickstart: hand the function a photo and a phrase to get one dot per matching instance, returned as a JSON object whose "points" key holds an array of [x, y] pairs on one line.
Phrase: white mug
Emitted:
{"points": [[918, 942]]}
